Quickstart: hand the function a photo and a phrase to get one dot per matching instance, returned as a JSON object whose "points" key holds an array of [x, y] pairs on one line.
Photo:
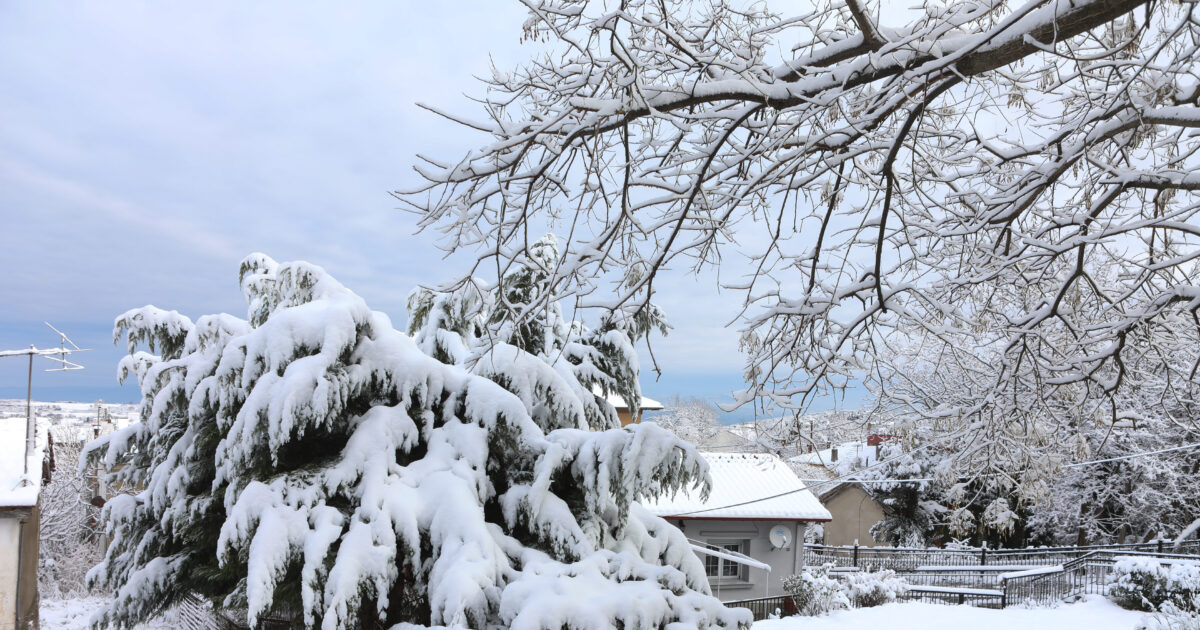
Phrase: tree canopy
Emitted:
{"points": [[1006, 186]]}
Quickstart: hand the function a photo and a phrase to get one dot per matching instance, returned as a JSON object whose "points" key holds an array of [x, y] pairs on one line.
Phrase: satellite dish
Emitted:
{"points": [[780, 536]]}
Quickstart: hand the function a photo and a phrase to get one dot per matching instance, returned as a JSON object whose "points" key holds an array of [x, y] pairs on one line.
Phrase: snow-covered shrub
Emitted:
{"points": [[1150, 585], [1172, 617], [312, 458], [865, 589], [815, 592]]}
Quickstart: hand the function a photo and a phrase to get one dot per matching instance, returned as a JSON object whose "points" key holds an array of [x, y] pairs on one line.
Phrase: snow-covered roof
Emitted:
{"points": [[858, 453], [746, 486], [614, 399], [14, 491]]}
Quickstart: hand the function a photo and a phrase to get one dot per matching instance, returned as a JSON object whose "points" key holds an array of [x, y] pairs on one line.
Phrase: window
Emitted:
{"points": [[717, 567]]}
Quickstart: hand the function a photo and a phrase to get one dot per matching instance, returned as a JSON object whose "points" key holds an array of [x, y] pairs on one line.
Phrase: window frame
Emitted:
{"points": [[716, 568]]}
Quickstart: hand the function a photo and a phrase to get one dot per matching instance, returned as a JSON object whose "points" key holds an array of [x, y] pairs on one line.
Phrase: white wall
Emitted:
{"points": [[756, 582], [10, 549]]}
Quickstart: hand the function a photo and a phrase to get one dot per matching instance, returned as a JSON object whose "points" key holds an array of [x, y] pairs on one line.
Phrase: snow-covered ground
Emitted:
{"points": [[73, 614], [1096, 613]]}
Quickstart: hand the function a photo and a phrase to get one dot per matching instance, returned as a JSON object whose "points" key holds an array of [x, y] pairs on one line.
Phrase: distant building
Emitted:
{"points": [[854, 510], [623, 412], [854, 514], [20, 492], [759, 509]]}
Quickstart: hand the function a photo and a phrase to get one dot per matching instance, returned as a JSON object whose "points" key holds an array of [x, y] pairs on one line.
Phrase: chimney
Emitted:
{"points": [[833, 454]]}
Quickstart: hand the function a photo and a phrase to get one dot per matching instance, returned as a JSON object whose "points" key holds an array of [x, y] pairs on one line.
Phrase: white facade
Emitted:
{"points": [[752, 495], [10, 561]]}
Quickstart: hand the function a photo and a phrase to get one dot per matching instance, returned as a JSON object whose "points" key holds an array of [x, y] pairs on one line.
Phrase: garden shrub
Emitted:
{"points": [[815, 592], [1150, 585], [867, 589]]}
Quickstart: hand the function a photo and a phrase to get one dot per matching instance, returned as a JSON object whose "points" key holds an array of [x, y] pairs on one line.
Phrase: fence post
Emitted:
{"points": [[1159, 541], [856, 553], [1003, 593], [983, 555]]}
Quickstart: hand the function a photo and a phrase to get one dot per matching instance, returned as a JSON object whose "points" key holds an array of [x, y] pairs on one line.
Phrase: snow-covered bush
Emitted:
{"points": [[313, 458], [865, 589], [815, 592], [1151, 585], [1172, 617]]}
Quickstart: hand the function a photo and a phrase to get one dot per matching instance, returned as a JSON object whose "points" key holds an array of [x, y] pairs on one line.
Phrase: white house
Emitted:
{"points": [[20, 489], [759, 509]]}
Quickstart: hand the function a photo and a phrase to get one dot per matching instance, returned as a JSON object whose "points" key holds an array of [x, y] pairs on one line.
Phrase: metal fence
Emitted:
{"points": [[990, 578], [983, 598], [906, 560], [1086, 575], [765, 607]]}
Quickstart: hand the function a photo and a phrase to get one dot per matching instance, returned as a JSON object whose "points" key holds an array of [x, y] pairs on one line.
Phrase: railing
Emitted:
{"points": [[987, 577], [765, 607], [907, 560], [983, 598], [1085, 575]]}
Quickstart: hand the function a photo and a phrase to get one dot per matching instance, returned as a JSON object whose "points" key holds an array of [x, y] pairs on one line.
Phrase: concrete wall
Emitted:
{"points": [[854, 512], [18, 569], [753, 534]]}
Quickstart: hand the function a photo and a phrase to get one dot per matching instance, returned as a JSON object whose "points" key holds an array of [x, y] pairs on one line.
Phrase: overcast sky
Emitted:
{"points": [[147, 147]]}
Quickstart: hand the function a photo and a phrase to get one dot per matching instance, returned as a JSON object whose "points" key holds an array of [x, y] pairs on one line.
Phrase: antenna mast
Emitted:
{"points": [[62, 351]]}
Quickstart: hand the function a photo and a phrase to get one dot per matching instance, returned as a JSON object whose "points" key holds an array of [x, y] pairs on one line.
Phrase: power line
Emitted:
{"points": [[1133, 455]]}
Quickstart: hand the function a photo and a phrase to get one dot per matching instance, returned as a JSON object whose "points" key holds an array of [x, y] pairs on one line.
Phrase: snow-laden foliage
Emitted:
{"points": [[68, 528], [1010, 185], [313, 462], [815, 592], [478, 326], [1018, 442], [1151, 584], [1172, 617], [865, 589]]}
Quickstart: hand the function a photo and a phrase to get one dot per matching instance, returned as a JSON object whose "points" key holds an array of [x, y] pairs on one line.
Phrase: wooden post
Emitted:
{"points": [[855, 553]]}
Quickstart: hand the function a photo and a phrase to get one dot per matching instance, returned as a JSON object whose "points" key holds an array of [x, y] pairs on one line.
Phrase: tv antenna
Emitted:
{"points": [[63, 365]]}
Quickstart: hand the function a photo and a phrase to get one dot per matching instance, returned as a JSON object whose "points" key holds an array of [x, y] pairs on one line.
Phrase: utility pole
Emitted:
{"points": [[62, 351]]}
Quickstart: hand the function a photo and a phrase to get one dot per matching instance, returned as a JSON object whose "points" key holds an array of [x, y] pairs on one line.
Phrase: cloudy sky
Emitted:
{"points": [[146, 148]]}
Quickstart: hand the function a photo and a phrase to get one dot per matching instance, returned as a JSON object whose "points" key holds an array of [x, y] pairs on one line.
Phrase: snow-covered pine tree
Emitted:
{"points": [[474, 325], [314, 459]]}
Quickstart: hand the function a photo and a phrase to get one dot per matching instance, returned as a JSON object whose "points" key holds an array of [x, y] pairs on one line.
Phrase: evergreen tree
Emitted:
{"points": [[314, 459]]}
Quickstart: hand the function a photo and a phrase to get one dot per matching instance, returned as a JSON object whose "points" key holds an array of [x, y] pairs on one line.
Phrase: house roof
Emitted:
{"points": [[18, 490], [745, 486], [614, 399], [853, 454]]}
